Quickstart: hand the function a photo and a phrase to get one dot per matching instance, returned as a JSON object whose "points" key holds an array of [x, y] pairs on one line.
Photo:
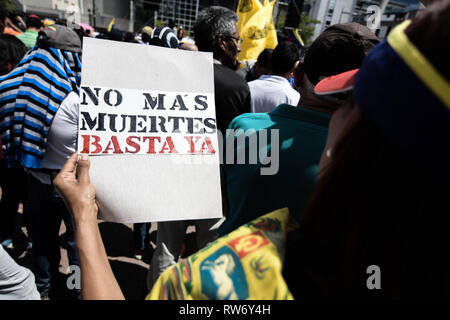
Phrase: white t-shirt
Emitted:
{"points": [[269, 91], [62, 137]]}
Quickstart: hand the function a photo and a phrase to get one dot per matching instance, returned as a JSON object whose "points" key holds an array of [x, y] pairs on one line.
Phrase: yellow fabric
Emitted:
{"points": [[419, 64], [298, 37], [245, 264], [48, 22], [111, 24], [256, 28]]}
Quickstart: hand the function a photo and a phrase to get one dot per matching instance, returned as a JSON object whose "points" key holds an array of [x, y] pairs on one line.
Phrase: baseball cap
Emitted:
{"points": [[339, 83], [405, 95], [60, 37], [340, 48], [164, 37], [33, 16]]}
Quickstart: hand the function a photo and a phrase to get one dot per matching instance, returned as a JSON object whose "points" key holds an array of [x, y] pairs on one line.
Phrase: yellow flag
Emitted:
{"points": [[256, 28], [111, 24]]}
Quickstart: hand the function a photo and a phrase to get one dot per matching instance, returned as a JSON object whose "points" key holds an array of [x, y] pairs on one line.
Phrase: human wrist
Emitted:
{"points": [[83, 216]]}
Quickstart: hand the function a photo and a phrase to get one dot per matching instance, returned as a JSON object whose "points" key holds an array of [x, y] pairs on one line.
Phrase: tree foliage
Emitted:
{"points": [[306, 28], [6, 6]]}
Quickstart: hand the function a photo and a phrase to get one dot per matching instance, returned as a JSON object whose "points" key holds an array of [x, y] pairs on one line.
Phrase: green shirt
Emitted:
{"points": [[302, 137], [29, 38]]}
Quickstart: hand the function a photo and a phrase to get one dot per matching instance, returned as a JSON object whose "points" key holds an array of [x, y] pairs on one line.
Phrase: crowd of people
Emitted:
{"points": [[361, 181]]}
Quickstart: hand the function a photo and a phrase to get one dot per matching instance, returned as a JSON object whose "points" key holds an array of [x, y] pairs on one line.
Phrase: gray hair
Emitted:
{"points": [[212, 22]]}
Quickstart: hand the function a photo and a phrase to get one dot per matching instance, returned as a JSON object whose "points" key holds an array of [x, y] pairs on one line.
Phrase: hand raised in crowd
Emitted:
{"points": [[74, 184]]}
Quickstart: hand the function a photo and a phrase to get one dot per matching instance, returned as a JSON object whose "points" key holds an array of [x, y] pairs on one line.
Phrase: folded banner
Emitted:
{"points": [[256, 28], [149, 124]]}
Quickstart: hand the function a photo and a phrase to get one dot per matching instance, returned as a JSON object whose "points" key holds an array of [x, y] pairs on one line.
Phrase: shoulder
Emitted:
{"points": [[222, 72], [70, 105], [249, 120]]}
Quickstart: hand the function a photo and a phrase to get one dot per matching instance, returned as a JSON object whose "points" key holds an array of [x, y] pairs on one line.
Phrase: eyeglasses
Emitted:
{"points": [[238, 40]]}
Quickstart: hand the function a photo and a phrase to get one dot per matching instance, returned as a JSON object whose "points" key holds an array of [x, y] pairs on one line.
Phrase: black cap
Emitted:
{"points": [[164, 37], [340, 48]]}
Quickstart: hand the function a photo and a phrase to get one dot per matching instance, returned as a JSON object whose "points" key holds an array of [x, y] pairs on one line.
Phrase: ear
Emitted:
{"points": [[298, 74], [221, 43]]}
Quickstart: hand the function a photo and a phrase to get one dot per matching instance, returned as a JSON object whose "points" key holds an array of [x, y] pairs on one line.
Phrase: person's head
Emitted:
{"points": [[12, 51], [145, 35], [382, 199], [340, 48], [180, 33], [216, 31], [17, 20], [164, 37], [284, 59], [129, 37], [33, 22], [262, 64], [68, 42], [115, 35]]}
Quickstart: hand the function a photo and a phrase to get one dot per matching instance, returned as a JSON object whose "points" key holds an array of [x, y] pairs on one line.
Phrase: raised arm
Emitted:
{"points": [[97, 279]]}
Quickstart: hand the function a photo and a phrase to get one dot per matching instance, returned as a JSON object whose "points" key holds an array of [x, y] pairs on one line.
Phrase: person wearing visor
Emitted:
{"points": [[381, 204]]}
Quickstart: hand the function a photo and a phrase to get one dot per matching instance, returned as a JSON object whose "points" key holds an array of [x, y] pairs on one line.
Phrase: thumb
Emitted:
{"points": [[83, 169]]}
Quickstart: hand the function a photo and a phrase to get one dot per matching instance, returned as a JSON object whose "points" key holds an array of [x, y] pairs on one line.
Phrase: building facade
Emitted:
{"points": [[330, 12], [97, 13]]}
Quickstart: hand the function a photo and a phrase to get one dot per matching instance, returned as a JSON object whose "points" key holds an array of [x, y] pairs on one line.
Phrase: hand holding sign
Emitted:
{"points": [[77, 192], [150, 128]]}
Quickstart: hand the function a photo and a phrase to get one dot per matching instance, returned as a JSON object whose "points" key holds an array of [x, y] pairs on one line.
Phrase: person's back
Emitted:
{"points": [[377, 224], [302, 130], [302, 136], [232, 97], [269, 91]]}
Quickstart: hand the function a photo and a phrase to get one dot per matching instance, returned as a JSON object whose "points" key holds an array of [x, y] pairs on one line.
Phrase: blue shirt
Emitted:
{"points": [[302, 137]]}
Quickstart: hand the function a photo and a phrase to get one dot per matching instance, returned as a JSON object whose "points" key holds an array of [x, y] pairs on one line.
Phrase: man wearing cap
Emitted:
{"points": [[34, 25], [302, 132]]}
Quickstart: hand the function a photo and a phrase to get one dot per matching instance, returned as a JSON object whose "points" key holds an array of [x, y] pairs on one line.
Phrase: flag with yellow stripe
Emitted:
{"points": [[111, 24], [256, 28]]}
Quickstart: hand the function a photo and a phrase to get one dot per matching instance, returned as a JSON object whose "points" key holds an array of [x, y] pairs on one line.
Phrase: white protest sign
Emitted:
{"points": [[147, 118]]}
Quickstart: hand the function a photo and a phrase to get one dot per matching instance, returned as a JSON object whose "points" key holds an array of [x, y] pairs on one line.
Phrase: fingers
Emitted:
{"points": [[83, 169], [70, 164]]}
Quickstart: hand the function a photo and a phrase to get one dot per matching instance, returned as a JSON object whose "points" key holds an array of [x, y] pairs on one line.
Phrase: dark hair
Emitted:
{"points": [[115, 34], [212, 22], [12, 51], [164, 37], [340, 48], [145, 37], [33, 22], [375, 206], [283, 58], [264, 58]]}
